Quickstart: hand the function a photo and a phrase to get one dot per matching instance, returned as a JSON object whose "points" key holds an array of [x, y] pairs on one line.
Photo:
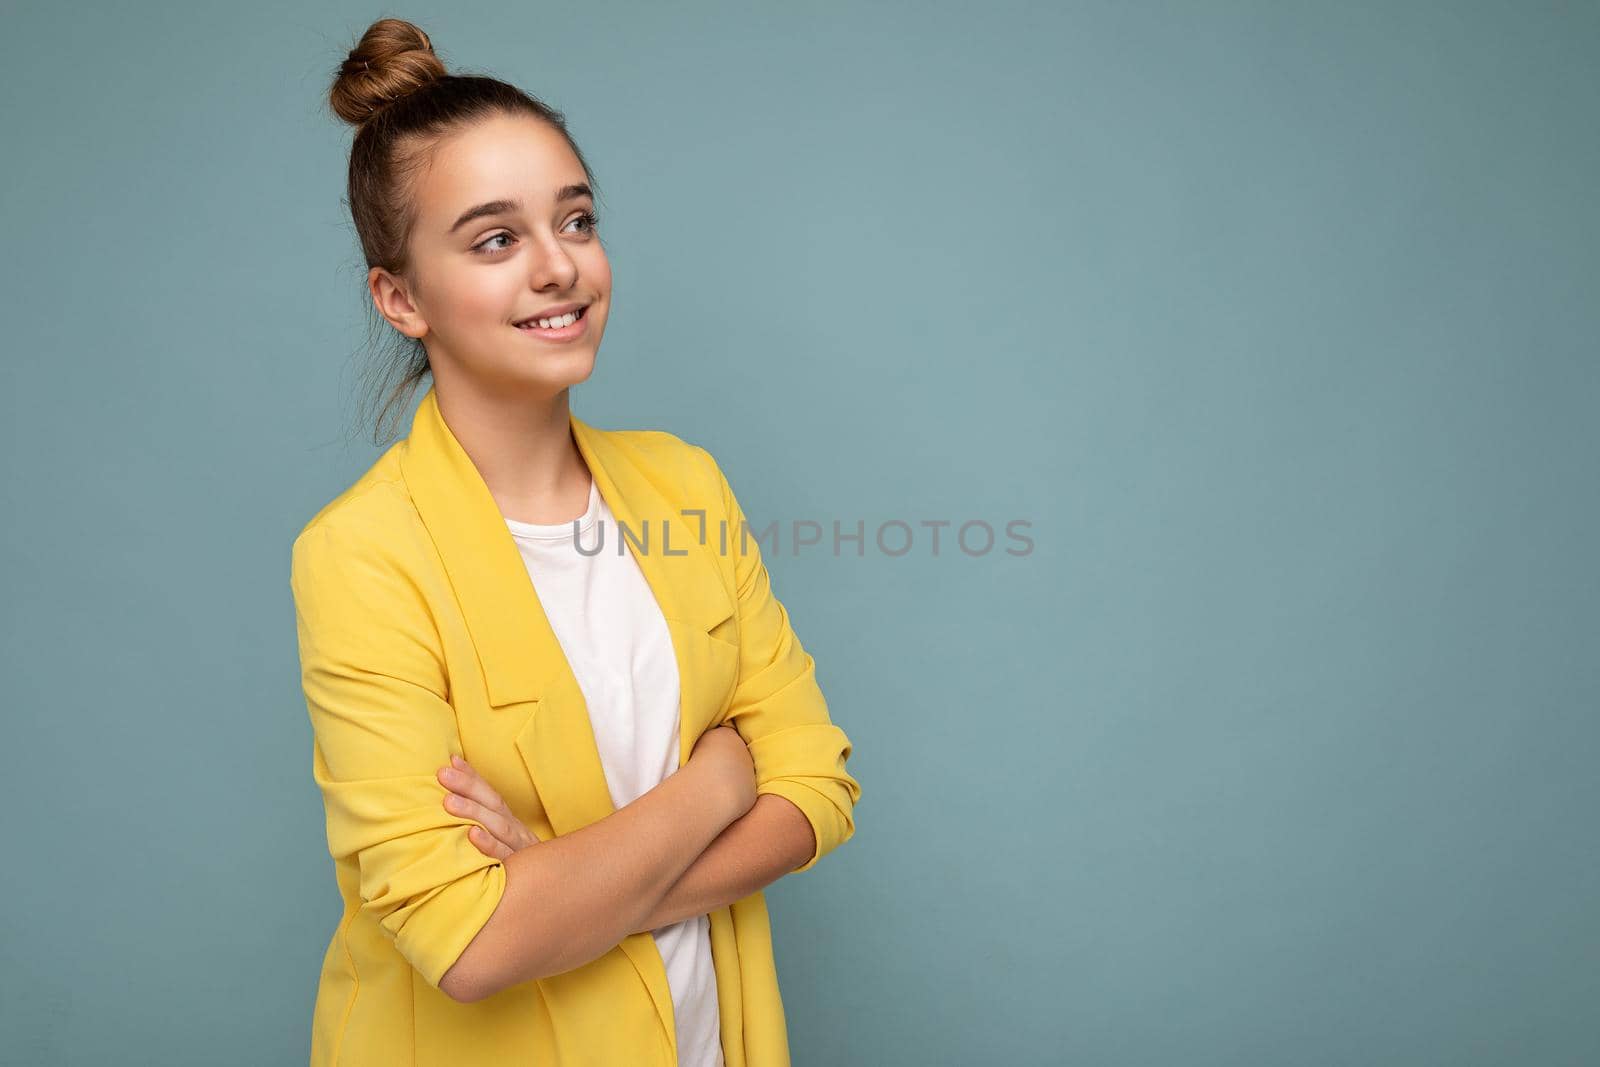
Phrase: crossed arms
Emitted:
{"points": [[472, 924]]}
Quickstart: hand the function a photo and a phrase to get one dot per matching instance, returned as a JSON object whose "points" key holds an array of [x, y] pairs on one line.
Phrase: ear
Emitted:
{"points": [[394, 302]]}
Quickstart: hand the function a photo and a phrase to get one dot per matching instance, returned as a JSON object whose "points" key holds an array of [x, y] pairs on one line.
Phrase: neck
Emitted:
{"points": [[524, 451]]}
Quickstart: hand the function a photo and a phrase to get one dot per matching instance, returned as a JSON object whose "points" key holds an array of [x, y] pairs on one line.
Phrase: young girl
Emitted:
{"points": [[564, 731]]}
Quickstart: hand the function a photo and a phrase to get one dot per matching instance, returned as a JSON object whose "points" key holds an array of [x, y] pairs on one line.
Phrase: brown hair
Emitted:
{"points": [[395, 90]]}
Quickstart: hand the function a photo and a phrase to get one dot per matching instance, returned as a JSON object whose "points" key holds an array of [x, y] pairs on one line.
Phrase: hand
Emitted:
{"points": [[725, 759], [500, 833]]}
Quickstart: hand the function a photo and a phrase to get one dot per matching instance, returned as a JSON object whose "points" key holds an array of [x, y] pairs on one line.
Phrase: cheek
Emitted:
{"points": [[596, 269], [472, 295]]}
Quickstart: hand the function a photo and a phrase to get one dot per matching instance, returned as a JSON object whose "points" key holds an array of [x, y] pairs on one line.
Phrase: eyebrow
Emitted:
{"points": [[506, 207]]}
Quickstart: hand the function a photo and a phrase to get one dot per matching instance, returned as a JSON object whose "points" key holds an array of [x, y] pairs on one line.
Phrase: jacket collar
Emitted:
{"points": [[521, 657]]}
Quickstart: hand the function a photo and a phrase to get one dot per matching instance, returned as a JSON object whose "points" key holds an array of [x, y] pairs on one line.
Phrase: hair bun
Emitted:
{"points": [[393, 58]]}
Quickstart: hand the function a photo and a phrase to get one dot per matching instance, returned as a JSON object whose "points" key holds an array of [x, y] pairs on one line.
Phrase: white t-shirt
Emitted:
{"points": [[611, 628]]}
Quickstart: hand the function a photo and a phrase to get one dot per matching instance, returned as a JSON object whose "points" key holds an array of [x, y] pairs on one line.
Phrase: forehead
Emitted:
{"points": [[503, 157]]}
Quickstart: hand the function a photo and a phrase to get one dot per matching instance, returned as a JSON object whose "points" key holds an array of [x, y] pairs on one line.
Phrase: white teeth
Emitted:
{"points": [[559, 321]]}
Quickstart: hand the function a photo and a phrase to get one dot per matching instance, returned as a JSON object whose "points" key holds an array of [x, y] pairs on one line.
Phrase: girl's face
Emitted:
{"points": [[505, 232]]}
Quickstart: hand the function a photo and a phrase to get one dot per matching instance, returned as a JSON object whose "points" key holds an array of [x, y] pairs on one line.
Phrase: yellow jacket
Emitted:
{"points": [[420, 636]]}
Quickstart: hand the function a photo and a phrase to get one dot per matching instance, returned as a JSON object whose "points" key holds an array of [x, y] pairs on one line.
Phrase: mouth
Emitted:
{"points": [[564, 328]]}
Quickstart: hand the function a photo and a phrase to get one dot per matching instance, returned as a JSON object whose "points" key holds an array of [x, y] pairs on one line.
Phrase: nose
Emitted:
{"points": [[550, 267]]}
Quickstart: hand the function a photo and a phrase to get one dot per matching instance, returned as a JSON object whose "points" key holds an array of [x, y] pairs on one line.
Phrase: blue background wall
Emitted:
{"points": [[1277, 322]]}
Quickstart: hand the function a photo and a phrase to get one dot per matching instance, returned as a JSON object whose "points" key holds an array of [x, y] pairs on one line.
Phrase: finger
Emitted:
{"points": [[503, 827], [470, 796], [469, 783], [488, 844], [488, 808], [468, 808]]}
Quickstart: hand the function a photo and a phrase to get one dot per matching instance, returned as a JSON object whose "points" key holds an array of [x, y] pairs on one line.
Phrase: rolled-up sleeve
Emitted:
{"points": [[376, 690], [777, 705]]}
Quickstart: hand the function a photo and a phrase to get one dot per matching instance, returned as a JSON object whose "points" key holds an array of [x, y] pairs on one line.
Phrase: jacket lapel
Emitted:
{"points": [[521, 656]]}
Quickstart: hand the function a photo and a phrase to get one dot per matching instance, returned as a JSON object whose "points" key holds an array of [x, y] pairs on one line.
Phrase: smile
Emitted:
{"points": [[561, 328]]}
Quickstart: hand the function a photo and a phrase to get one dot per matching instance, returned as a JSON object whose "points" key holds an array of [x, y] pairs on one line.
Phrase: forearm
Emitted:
{"points": [[575, 897], [765, 844]]}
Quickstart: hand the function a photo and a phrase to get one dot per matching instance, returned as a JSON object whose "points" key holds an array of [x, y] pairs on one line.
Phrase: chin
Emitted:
{"points": [[560, 373]]}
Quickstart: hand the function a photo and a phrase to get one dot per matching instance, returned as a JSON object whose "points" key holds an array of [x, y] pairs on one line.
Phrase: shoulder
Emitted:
{"points": [[669, 460], [373, 517]]}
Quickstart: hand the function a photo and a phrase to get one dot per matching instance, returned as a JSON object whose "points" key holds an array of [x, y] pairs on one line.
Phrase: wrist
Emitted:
{"points": [[710, 796]]}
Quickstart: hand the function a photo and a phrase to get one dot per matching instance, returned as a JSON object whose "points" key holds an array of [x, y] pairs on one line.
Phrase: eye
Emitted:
{"points": [[482, 246], [589, 219]]}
